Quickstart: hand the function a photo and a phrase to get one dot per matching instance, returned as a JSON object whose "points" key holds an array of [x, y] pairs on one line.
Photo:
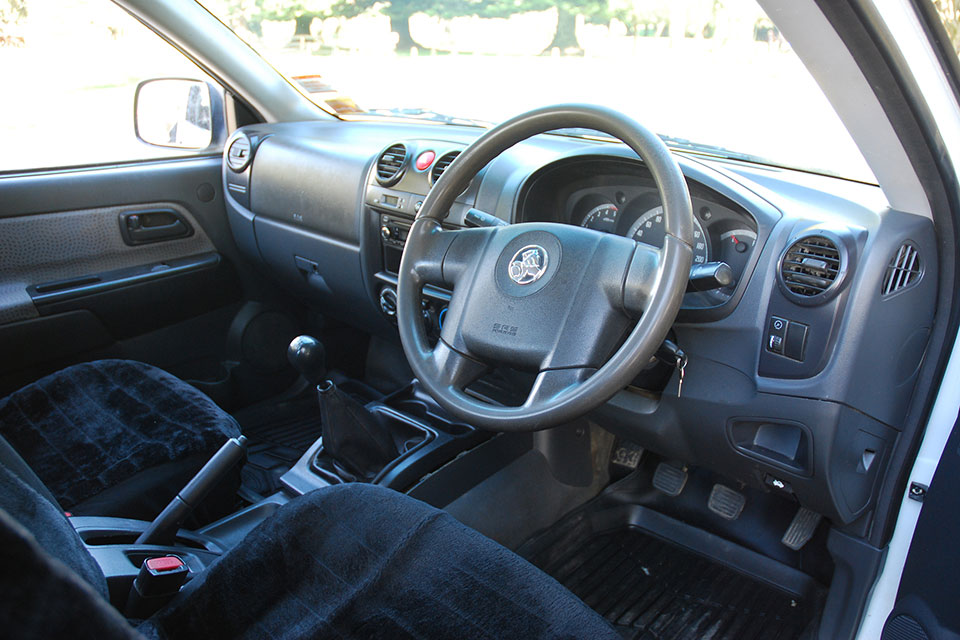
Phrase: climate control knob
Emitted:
{"points": [[385, 232], [388, 301]]}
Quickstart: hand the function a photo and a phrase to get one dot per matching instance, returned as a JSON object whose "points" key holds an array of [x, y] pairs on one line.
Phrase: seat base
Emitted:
{"points": [[91, 426], [361, 561]]}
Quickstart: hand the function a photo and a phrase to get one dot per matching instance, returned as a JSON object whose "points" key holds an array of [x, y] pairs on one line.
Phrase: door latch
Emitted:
{"points": [[154, 225]]}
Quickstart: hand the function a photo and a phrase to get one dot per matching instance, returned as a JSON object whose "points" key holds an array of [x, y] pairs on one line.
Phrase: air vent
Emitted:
{"points": [[441, 165], [903, 270], [810, 267], [238, 154], [390, 164]]}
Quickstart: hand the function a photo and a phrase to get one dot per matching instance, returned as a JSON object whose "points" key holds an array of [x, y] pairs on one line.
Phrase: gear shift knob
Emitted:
{"points": [[307, 356]]}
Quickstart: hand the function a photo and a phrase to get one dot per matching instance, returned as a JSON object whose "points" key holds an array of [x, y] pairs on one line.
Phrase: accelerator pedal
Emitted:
{"points": [[725, 502], [670, 479], [801, 529]]}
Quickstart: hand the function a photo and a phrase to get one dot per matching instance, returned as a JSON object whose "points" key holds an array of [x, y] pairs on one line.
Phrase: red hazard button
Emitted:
{"points": [[425, 159]]}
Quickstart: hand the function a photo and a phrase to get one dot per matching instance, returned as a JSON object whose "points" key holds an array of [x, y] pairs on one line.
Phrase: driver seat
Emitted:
{"points": [[348, 561]]}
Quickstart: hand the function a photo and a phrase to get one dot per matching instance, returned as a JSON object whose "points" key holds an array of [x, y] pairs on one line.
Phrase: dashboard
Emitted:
{"points": [[801, 363]]}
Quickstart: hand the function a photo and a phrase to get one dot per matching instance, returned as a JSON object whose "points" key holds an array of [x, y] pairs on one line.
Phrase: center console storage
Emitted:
{"points": [[424, 436], [407, 436], [112, 543]]}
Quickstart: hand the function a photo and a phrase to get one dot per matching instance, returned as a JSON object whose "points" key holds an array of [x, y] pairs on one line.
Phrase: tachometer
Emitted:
{"points": [[649, 229], [602, 217]]}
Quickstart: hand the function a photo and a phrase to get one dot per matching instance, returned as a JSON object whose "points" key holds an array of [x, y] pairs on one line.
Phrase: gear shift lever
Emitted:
{"points": [[308, 356], [352, 436]]}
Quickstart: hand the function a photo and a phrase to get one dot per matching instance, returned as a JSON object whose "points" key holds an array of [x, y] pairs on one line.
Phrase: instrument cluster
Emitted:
{"points": [[721, 233]]}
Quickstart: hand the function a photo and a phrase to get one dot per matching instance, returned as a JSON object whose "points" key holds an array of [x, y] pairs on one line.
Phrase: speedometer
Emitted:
{"points": [[649, 229]]}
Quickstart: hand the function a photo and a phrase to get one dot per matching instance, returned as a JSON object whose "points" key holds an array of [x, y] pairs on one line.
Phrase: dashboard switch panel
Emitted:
{"points": [[795, 341], [787, 338], [777, 334]]}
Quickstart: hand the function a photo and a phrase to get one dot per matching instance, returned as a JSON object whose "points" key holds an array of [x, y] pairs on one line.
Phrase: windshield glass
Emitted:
{"points": [[708, 75]]}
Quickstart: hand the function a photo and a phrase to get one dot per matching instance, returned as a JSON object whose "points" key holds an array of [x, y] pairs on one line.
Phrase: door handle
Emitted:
{"points": [[154, 225]]}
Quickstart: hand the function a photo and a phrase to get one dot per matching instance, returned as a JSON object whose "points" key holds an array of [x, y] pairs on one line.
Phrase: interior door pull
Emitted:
{"points": [[155, 225]]}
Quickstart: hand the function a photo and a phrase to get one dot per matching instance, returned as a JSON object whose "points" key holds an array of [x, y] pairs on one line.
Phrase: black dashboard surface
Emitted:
{"points": [[799, 372]]}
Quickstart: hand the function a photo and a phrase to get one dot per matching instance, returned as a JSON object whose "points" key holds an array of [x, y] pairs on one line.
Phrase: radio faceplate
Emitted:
{"points": [[393, 235], [393, 231]]}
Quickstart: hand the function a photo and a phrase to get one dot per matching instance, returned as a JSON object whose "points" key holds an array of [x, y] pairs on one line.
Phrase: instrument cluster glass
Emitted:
{"points": [[718, 234]]}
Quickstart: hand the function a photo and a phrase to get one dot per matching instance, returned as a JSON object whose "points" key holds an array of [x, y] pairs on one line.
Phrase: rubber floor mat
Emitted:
{"points": [[279, 434], [293, 423], [297, 433], [652, 589]]}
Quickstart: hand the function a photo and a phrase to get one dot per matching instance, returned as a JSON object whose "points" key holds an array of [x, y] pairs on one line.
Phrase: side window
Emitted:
{"points": [[71, 69]]}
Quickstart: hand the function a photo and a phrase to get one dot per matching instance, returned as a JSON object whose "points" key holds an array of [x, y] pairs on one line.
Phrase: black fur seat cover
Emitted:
{"points": [[351, 561], [361, 561], [91, 426]]}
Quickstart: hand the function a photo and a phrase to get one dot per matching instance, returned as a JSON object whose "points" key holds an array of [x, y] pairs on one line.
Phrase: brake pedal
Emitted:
{"points": [[669, 479], [725, 502], [801, 529]]}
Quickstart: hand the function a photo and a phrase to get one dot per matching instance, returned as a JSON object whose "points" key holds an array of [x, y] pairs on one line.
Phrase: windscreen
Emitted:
{"points": [[712, 76]]}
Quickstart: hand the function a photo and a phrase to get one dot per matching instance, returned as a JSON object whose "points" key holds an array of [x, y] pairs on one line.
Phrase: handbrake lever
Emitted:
{"points": [[164, 527]]}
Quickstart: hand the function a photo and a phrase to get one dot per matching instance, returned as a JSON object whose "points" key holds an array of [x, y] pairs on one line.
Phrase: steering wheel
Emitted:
{"points": [[547, 297]]}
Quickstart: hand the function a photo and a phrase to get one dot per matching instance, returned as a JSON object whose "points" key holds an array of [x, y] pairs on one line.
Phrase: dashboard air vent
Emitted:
{"points": [[390, 164], [238, 153], [811, 266], [441, 165], [903, 270]]}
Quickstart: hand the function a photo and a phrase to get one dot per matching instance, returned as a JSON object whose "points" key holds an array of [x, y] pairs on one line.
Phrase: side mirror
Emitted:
{"points": [[174, 112]]}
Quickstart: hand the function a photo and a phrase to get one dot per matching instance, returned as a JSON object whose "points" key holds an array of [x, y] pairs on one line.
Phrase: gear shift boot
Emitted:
{"points": [[356, 440], [357, 443]]}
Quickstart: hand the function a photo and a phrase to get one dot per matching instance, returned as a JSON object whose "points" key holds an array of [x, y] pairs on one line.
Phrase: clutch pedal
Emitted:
{"points": [[801, 529], [669, 479], [725, 502]]}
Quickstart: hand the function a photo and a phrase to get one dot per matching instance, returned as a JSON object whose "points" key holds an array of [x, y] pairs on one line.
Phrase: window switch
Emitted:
{"points": [[795, 341]]}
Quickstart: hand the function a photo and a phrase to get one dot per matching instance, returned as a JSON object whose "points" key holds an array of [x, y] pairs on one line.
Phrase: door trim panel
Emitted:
{"points": [[50, 247]]}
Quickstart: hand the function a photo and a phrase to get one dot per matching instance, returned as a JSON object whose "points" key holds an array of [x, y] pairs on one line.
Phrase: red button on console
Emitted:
{"points": [[166, 563], [425, 159]]}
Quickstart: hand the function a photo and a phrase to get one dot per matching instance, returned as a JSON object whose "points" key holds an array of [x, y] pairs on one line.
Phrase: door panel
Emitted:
{"points": [[75, 283], [49, 250], [926, 605]]}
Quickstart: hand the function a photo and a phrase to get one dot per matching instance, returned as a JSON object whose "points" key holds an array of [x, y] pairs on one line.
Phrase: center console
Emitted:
{"points": [[426, 438], [401, 177]]}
